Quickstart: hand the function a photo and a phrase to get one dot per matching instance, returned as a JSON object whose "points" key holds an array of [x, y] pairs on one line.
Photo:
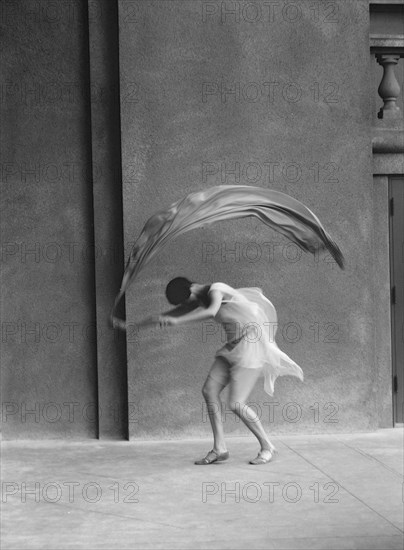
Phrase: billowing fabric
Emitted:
{"points": [[225, 202], [250, 321]]}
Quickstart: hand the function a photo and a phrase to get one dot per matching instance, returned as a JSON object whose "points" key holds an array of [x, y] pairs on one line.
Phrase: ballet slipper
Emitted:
{"points": [[212, 457], [261, 459]]}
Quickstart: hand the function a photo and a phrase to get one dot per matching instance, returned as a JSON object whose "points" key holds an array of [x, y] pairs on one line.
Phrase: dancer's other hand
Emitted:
{"points": [[117, 323]]}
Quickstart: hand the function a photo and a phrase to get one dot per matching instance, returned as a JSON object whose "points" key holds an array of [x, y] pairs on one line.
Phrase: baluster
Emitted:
{"points": [[389, 88]]}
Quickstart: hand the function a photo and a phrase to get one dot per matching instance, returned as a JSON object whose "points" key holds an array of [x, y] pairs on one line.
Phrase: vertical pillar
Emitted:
{"points": [[108, 217]]}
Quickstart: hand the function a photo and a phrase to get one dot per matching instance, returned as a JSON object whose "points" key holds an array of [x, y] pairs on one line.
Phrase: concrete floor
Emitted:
{"points": [[328, 491]]}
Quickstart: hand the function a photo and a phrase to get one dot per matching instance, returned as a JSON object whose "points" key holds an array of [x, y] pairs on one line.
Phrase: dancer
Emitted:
{"points": [[246, 355], [249, 320]]}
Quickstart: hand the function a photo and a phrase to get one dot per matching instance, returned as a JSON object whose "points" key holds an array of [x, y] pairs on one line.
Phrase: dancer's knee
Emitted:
{"points": [[236, 406], [210, 390]]}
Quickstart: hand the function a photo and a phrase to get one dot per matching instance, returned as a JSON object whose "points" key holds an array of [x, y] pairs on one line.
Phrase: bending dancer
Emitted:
{"points": [[249, 320]]}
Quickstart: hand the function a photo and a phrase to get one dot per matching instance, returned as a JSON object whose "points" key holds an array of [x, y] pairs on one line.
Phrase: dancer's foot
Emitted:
{"points": [[264, 456], [212, 457]]}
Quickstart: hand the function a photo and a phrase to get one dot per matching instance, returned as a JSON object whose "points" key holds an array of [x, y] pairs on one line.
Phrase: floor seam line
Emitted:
{"points": [[365, 454], [345, 489]]}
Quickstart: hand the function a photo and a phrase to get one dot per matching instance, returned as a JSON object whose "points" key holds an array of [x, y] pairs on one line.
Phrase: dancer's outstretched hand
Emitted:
{"points": [[167, 321], [159, 320]]}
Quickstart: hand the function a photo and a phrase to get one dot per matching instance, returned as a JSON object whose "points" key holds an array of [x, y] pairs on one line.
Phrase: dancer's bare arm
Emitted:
{"points": [[182, 309], [198, 314]]}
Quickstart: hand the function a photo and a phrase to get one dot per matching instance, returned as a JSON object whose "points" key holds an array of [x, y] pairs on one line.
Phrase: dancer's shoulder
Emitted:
{"points": [[222, 287]]}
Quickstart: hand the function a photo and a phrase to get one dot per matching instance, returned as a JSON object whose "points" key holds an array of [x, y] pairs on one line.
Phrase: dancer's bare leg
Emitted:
{"points": [[216, 381], [241, 386]]}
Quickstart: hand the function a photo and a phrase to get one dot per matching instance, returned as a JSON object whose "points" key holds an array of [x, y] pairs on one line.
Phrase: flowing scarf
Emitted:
{"points": [[226, 202]]}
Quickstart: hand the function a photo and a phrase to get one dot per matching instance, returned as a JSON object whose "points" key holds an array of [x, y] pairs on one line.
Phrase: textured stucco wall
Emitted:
{"points": [[282, 98], [48, 337], [299, 120]]}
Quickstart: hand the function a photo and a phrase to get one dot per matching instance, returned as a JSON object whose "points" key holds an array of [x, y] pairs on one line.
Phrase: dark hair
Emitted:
{"points": [[178, 290]]}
